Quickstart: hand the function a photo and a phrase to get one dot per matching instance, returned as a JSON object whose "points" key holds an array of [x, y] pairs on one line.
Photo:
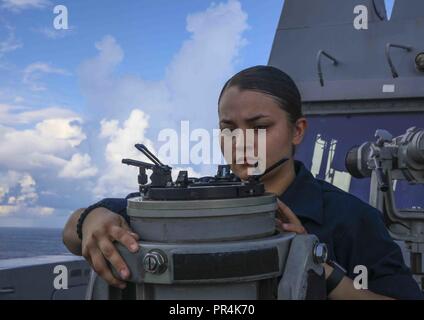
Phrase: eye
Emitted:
{"points": [[228, 128], [261, 126]]}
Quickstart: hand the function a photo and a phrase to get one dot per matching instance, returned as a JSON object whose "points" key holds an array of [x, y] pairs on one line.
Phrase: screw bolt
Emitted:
{"points": [[154, 262], [320, 253]]}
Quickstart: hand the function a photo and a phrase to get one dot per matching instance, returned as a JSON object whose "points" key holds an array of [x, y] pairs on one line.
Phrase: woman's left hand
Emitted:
{"points": [[287, 221]]}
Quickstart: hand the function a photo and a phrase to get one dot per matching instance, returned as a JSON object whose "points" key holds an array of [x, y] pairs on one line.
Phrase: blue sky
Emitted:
{"points": [[73, 102]]}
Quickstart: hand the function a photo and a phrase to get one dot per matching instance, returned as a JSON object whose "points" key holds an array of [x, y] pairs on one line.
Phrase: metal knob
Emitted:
{"points": [[320, 253], [154, 262]]}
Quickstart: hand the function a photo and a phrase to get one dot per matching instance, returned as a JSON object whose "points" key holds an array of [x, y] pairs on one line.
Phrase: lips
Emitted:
{"points": [[247, 161]]}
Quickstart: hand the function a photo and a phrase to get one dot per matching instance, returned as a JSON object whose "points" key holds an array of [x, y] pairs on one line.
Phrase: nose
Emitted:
{"points": [[244, 145]]}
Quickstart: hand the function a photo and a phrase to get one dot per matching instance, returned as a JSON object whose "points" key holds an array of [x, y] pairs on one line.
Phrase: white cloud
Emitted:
{"points": [[50, 137], [78, 167], [118, 179], [7, 181], [189, 90], [54, 34], [46, 148], [193, 78], [10, 43], [61, 129], [33, 73], [18, 5], [28, 194], [14, 115], [18, 195], [203, 63], [45, 145]]}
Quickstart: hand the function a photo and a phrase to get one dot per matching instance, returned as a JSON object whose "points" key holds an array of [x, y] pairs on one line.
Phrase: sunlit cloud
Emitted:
{"points": [[32, 74], [19, 5], [191, 86]]}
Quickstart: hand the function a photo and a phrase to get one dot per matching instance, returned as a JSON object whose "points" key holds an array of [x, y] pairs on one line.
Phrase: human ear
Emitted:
{"points": [[299, 130]]}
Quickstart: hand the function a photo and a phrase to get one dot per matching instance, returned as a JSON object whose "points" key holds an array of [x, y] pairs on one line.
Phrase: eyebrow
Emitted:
{"points": [[251, 119], [256, 117]]}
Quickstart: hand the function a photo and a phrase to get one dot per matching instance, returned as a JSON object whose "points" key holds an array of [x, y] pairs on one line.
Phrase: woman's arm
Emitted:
{"points": [[345, 290], [100, 229], [69, 234]]}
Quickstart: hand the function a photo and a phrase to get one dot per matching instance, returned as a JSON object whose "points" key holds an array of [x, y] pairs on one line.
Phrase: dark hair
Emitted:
{"points": [[272, 81]]}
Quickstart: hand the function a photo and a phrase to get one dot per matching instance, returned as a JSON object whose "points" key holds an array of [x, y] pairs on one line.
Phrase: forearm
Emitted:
{"points": [[346, 290], [70, 236]]}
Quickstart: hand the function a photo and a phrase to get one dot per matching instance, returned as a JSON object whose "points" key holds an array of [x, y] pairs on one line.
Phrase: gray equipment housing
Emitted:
{"points": [[386, 161], [216, 249], [352, 82]]}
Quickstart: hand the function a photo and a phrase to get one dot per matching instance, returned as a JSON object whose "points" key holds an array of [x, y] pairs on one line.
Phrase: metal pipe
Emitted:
{"points": [[389, 58], [377, 12], [142, 148], [323, 53]]}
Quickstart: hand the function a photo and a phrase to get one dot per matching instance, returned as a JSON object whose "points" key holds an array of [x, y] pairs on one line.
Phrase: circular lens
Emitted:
{"points": [[419, 61], [415, 150], [356, 161], [351, 162]]}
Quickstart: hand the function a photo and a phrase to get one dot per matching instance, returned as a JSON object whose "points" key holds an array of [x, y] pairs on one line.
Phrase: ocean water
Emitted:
{"points": [[30, 242]]}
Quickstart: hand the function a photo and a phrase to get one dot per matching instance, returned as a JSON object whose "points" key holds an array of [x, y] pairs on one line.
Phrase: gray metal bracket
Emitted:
{"points": [[293, 284]]}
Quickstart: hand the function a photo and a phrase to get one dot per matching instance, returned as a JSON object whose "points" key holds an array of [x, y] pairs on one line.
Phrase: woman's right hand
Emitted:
{"points": [[100, 228]]}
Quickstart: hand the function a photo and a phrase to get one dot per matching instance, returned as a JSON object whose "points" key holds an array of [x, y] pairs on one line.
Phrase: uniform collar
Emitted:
{"points": [[304, 195]]}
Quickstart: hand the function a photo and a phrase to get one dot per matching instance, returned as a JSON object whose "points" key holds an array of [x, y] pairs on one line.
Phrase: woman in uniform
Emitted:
{"points": [[264, 97]]}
